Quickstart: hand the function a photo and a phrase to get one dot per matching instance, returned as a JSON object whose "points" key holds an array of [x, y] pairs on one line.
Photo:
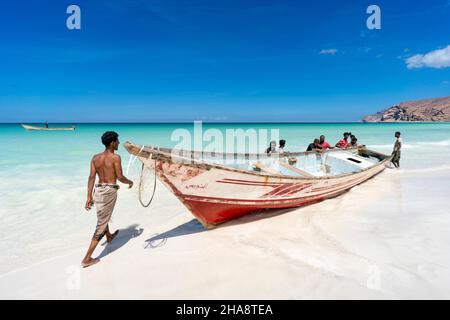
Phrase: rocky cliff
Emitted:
{"points": [[421, 110]]}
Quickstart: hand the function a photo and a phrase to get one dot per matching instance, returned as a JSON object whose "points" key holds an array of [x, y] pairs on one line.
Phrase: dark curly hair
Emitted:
{"points": [[108, 137]]}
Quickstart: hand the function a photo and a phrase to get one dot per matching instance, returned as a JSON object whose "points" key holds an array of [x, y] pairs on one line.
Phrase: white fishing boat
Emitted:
{"points": [[218, 187], [34, 128]]}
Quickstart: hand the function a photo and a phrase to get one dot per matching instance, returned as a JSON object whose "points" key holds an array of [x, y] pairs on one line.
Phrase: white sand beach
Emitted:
{"points": [[258, 95], [387, 238]]}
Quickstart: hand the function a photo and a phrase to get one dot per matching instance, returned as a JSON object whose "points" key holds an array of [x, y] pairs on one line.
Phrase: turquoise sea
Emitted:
{"points": [[43, 174], [67, 153]]}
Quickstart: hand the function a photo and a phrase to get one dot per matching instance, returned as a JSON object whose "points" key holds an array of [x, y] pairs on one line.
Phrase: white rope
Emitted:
{"points": [[145, 205], [131, 160]]}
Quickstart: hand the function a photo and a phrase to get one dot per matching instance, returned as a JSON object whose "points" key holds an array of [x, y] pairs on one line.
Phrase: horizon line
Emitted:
{"points": [[226, 122]]}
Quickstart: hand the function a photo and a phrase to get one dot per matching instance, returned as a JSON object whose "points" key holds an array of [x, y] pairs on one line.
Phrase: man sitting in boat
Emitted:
{"points": [[353, 142], [108, 167], [272, 147], [315, 146], [323, 143], [282, 145], [343, 143]]}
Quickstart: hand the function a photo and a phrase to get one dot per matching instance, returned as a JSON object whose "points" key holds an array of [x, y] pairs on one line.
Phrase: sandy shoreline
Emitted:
{"points": [[376, 241]]}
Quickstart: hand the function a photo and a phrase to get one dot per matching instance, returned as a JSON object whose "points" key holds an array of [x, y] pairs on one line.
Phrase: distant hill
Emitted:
{"points": [[414, 111]]}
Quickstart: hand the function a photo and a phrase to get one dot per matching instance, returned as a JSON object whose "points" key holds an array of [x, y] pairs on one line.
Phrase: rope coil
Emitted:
{"points": [[145, 205], [130, 162]]}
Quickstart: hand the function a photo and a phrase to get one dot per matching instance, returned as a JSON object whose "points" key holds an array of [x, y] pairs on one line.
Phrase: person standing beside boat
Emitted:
{"points": [[397, 150], [343, 143], [108, 167]]}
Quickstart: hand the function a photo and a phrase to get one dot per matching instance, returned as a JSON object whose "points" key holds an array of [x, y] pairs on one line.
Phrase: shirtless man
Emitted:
{"points": [[107, 165]]}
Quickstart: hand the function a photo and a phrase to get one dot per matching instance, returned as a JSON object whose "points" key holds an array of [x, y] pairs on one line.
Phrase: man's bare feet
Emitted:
{"points": [[112, 236], [89, 262]]}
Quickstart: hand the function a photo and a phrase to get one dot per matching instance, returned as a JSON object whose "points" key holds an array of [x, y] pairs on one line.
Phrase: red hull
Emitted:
{"points": [[213, 213]]}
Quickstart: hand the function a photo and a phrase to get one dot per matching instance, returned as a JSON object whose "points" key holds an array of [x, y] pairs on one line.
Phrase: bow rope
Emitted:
{"points": [[130, 162]]}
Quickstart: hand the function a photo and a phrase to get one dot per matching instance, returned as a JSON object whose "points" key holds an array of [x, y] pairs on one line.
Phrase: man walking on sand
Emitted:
{"points": [[108, 166]]}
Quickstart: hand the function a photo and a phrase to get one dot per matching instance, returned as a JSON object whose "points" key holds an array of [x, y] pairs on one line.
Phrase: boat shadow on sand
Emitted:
{"points": [[124, 236], [194, 226], [160, 239], [258, 215]]}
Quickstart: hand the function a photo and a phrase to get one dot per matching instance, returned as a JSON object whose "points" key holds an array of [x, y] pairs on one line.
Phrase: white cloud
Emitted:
{"points": [[434, 59], [328, 51]]}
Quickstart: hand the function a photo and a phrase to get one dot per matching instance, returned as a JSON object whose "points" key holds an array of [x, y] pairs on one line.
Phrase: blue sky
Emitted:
{"points": [[255, 60]]}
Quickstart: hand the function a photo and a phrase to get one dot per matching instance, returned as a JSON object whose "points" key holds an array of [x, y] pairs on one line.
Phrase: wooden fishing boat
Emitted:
{"points": [[218, 187], [34, 128]]}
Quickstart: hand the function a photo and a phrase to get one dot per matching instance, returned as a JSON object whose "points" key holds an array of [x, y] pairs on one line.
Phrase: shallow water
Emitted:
{"points": [[43, 183]]}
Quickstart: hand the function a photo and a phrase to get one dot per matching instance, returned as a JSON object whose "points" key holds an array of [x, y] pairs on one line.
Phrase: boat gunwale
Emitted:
{"points": [[139, 150]]}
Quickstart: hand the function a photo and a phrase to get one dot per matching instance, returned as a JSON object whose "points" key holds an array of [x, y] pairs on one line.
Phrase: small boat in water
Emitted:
{"points": [[217, 187], [34, 128]]}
